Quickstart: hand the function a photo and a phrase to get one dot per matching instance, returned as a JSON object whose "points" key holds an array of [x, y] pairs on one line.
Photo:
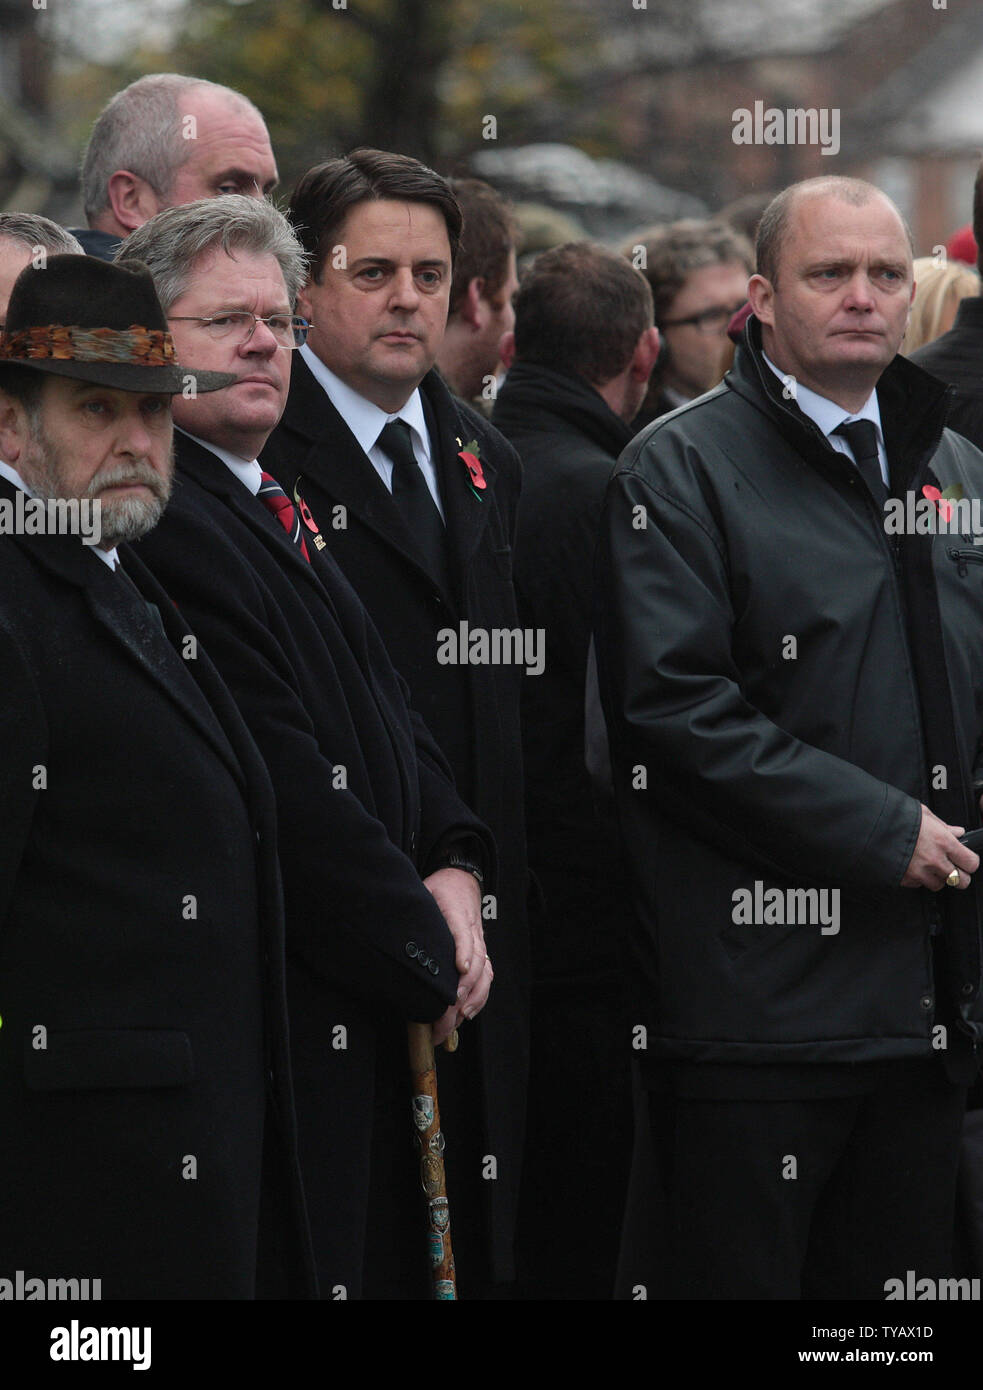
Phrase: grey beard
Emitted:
{"points": [[119, 520], [127, 519]]}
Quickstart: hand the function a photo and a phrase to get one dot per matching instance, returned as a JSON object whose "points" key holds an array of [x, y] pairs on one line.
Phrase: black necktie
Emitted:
{"points": [[861, 435], [413, 498], [151, 608]]}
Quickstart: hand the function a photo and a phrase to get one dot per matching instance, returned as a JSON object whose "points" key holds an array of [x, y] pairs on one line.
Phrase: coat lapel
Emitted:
{"points": [[130, 624], [208, 470], [323, 572], [466, 507], [331, 454]]}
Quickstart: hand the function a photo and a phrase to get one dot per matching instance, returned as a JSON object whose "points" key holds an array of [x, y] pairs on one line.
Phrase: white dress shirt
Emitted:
{"points": [[828, 416], [366, 422], [248, 471], [109, 557]]}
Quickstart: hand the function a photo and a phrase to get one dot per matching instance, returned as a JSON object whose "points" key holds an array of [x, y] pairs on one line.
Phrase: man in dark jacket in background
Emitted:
{"points": [[957, 356], [584, 350], [791, 660], [482, 290]]}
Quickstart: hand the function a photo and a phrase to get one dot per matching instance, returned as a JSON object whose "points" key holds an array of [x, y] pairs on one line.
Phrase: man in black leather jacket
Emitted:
{"points": [[790, 642]]}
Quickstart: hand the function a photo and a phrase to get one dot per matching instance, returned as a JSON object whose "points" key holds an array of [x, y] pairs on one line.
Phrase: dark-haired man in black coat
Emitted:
{"points": [[416, 495]]}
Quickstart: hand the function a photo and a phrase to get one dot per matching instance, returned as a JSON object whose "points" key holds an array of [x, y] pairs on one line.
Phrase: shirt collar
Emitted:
{"points": [[826, 413], [365, 420], [12, 476], [248, 471], [108, 557]]}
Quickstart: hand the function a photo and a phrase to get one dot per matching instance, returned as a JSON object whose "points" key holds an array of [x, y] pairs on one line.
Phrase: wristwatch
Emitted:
{"points": [[458, 861]]}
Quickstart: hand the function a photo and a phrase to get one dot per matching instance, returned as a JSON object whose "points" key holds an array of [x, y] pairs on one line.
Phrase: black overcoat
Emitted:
{"points": [[569, 440], [365, 805], [472, 710], [141, 946]]}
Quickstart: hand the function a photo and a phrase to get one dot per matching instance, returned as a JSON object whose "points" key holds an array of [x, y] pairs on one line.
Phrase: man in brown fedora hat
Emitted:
{"points": [[145, 1095]]}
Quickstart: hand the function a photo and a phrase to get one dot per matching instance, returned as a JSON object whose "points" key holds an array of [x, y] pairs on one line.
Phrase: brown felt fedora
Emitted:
{"points": [[81, 317]]}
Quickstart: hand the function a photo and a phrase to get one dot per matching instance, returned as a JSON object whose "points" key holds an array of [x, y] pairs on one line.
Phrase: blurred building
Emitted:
{"points": [[903, 76], [607, 198]]}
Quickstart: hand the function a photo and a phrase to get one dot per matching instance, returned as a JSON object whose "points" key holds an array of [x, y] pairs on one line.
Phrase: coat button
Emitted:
{"points": [[412, 950], [433, 967], [969, 989], [926, 1001]]}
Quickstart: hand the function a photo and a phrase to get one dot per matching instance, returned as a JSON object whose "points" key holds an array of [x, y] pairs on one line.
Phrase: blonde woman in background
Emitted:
{"points": [[938, 290]]}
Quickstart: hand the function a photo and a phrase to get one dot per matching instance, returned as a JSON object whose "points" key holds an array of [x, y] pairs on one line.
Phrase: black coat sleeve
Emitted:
{"points": [[354, 900], [23, 763]]}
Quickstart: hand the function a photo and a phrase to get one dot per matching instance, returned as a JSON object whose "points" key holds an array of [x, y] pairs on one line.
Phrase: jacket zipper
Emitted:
{"points": [[894, 548], [961, 556]]}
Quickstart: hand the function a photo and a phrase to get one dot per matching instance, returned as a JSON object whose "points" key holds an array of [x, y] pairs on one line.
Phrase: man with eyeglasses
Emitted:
{"points": [[383, 923], [698, 272]]}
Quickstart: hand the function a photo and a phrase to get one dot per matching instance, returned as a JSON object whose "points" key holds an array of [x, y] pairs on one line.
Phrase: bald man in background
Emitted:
{"points": [[216, 142]]}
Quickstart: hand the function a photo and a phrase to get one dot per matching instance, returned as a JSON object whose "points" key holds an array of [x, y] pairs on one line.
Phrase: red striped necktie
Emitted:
{"points": [[273, 497]]}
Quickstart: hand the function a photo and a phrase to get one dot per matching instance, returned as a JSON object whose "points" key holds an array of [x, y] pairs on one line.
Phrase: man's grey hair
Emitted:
{"points": [[140, 130], [30, 229], [172, 241]]}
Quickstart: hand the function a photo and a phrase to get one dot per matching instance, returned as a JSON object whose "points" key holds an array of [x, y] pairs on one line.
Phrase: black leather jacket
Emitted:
{"points": [[784, 682]]}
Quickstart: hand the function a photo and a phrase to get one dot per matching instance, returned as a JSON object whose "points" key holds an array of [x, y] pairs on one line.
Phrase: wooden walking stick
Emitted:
{"points": [[426, 1118]]}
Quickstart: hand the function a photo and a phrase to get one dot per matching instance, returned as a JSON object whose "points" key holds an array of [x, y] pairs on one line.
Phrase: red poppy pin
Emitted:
{"points": [[471, 454], [307, 518], [943, 500]]}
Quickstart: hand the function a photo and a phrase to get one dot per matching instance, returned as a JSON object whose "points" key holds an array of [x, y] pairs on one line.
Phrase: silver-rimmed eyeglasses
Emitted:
{"points": [[289, 330]]}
